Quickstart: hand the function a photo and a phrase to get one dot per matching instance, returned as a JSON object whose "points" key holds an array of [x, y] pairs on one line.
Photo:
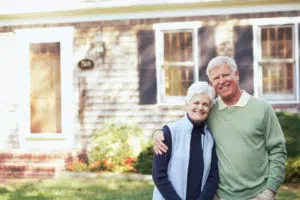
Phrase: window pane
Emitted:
{"points": [[278, 78], [178, 80], [277, 42], [45, 88], [178, 47]]}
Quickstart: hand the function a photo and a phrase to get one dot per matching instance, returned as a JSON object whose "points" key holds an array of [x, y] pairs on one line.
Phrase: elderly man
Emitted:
{"points": [[249, 141]]}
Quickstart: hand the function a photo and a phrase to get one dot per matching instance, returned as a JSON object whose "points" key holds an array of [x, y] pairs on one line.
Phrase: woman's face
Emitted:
{"points": [[198, 108]]}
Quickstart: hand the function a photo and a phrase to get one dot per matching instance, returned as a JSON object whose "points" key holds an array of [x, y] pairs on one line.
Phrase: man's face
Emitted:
{"points": [[224, 81], [198, 108]]}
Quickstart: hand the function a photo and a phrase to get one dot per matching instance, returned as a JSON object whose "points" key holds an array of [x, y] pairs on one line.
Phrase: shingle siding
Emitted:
{"points": [[111, 90]]}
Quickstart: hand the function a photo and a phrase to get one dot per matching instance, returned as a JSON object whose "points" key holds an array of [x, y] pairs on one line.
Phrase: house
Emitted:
{"points": [[68, 66]]}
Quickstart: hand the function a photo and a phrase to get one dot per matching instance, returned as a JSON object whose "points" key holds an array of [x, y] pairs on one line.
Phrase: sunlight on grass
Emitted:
{"points": [[101, 189], [80, 189], [289, 192], [287, 195]]}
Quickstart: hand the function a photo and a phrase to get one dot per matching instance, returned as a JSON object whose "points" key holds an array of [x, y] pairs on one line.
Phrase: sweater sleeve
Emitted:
{"points": [[160, 169], [275, 144], [212, 182]]}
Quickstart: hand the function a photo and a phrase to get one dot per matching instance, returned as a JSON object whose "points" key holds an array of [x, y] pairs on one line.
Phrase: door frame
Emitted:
{"points": [[47, 141]]}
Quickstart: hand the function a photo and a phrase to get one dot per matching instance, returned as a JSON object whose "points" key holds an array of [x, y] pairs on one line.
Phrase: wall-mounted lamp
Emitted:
{"points": [[98, 48]]}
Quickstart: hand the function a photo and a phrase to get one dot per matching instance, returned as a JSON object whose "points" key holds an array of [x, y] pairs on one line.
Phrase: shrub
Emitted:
{"points": [[77, 166], [115, 142], [127, 165], [290, 124], [292, 170], [144, 160], [95, 166]]}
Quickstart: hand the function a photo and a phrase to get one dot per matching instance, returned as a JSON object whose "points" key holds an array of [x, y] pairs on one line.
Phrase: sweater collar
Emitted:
{"points": [[242, 102], [194, 125]]}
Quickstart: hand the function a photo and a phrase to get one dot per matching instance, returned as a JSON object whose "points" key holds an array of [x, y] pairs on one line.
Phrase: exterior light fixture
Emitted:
{"points": [[99, 48]]}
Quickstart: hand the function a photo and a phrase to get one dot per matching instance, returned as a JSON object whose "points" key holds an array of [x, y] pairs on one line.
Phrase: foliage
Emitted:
{"points": [[292, 170], [115, 142], [144, 160], [290, 124], [112, 150], [127, 165], [77, 166], [96, 166], [104, 165]]}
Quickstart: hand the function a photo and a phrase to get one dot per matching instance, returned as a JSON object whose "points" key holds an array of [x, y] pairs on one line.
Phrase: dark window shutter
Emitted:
{"points": [[207, 49], [243, 47], [147, 67]]}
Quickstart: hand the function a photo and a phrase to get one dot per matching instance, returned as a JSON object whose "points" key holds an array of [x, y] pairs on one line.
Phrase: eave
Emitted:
{"points": [[121, 12]]}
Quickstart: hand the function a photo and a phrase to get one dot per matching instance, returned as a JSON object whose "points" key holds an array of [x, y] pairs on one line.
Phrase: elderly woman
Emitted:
{"points": [[189, 170]]}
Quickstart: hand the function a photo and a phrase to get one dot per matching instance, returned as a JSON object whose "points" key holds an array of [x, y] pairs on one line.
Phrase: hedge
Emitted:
{"points": [[290, 124]]}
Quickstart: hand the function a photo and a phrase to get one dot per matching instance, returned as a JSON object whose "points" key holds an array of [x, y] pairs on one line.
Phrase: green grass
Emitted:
{"points": [[79, 189], [100, 189], [289, 191]]}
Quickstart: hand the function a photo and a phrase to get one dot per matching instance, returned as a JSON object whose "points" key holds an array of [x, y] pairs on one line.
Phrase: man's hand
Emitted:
{"points": [[158, 144], [267, 194]]}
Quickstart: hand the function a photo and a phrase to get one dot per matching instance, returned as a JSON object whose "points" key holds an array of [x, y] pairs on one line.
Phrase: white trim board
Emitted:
{"points": [[257, 52], [34, 6], [160, 28], [278, 21], [65, 139], [154, 14]]}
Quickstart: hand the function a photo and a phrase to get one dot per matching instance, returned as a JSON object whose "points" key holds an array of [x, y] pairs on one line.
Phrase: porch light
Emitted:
{"points": [[99, 48]]}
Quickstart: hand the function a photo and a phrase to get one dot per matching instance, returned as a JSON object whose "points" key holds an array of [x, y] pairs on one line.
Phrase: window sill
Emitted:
{"points": [[282, 102], [43, 139]]}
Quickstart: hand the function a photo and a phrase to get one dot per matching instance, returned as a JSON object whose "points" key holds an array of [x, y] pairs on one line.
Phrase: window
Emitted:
{"points": [[178, 62], [277, 63], [277, 60], [176, 59]]}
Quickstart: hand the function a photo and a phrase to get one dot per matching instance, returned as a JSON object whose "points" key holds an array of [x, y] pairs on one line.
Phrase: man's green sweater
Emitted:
{"points": [[251, 149]]}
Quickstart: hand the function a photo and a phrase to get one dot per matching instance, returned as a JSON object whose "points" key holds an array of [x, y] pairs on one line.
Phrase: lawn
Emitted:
{"points": [[99, 189], [79, 189]]}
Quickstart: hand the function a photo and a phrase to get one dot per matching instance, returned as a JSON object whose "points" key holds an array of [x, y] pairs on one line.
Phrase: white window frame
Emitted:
{"points": [[160, 28], [257, 53], [48, 141]]}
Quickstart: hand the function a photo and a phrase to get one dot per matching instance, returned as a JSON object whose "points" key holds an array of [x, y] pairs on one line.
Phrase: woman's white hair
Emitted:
{"points": [[219, 60], [200, 87]]}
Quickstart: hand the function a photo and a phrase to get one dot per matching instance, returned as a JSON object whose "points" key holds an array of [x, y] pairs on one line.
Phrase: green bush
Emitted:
{"points": [[290, 124], [112, 143], [144, 160], [115, 142], [292, 170], [79, 166]]}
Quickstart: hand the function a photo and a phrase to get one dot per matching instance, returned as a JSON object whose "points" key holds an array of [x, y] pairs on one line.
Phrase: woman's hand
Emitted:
{"points": [[158, 145]]}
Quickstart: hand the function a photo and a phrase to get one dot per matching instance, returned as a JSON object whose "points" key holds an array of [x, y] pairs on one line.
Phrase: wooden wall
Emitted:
{"points": [[115, 88]]}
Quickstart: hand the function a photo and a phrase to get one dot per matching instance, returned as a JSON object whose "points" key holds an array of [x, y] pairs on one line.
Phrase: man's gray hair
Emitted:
{"points": [[200, 87], [219, 60]]}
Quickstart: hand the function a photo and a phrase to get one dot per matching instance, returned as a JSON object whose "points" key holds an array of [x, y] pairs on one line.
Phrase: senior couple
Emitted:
{"points": [[228, 148]]}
